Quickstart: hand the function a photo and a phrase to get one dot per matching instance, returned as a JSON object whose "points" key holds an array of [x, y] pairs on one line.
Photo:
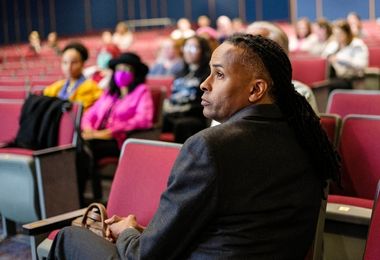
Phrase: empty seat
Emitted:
{"points": [[359, 147], [309, 70], [331, 124], [10, 110], [161, 81], [13, 92], [372, 249], [345, 102], [349, 208]]}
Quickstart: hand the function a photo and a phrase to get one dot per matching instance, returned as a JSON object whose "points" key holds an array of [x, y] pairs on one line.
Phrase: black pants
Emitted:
{"points": [[91, 152], [338, 83], [183, 126], [79, 243]]}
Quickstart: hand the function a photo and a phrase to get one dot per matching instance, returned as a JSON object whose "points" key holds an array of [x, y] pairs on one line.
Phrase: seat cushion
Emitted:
{"points": [[358, 202], [14, 150]]}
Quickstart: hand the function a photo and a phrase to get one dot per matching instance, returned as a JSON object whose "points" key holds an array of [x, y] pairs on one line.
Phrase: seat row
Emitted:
{"points": [[354, 126]]}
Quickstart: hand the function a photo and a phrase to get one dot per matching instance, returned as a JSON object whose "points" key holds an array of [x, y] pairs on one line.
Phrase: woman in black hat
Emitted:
{"points": [[127, 105]]}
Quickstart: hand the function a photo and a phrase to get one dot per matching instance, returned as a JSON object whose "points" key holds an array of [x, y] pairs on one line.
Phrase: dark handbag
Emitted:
{"points": [[93, 219]]}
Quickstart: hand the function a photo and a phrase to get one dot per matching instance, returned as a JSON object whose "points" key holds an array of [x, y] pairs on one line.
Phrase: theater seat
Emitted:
{"points": [[331, 123], [346, 102], [372, 249], [36, 184], [105, 167], [140, 178], [349, 207]]}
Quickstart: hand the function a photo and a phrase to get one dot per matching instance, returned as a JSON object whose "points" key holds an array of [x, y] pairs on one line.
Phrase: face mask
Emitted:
{"points": [[123, 78], [103, 59]]}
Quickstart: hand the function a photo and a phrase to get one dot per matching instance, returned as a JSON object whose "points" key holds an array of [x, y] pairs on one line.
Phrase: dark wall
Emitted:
{"points": [[337, 9], [73, 17]]}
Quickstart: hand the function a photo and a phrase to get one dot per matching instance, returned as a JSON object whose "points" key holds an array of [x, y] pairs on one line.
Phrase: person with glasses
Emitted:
{"points": [[183, 111]]}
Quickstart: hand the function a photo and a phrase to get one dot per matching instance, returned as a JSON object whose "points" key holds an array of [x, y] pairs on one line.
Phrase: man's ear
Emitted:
{"points": [[258, 90]]}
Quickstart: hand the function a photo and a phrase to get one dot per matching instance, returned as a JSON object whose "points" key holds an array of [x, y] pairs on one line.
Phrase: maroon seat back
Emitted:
{"points": [[161, 81], [13, 92], [10, 111], [359, 147], [374, 57], [158, 95], [331, 124], [372, 248], [141, 177], [345, 102], [70, 122], [309, 69]]}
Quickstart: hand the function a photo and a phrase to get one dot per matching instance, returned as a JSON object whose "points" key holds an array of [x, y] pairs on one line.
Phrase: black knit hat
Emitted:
{"points": [[131, 59]]}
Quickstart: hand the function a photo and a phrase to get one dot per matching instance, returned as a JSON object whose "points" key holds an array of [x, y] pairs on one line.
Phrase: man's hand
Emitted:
{"points": [[116, 225]]}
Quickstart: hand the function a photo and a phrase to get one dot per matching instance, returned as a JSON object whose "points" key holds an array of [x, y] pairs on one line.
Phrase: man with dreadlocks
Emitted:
{"points": [[249, 188]]}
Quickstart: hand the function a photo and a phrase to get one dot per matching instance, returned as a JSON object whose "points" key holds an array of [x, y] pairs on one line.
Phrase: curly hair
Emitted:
{"points": [[79, 47]]}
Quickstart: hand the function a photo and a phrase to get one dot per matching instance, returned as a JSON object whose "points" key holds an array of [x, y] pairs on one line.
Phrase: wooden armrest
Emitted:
{"points": [[372, 71], [52, 223], [320, 84], [348, 213], [55, 149]]}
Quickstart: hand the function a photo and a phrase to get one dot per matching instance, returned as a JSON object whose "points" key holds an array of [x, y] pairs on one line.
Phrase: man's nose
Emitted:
{"points": [[205, 85]]}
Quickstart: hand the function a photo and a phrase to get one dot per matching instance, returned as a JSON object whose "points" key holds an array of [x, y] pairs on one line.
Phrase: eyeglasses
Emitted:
{"points": [[190, 48]]}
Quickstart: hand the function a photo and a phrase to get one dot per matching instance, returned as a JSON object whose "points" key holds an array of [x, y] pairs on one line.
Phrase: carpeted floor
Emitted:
{"points": [[15, 248]]}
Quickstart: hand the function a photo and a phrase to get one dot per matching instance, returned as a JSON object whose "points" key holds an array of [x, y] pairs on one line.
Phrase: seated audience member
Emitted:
{"points": [[355, 22], [125, 106], [210, 35], [235, 191], [204, 24], [106, 37], [122, 36], [75, 87], [183, 111], [34, 47], [52, 43], [303, 40], [238, 25], [206, 31], [323, 30], [169, 60], [275, 33], [183, 30], [224, 27], [203, 21], [347, 55], [100, 72]]}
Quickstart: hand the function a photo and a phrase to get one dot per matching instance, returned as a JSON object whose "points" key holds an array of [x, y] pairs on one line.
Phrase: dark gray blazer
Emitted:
{"points": [[242, 190]]}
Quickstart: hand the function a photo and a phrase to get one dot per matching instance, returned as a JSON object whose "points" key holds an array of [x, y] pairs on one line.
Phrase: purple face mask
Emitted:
{"points": [[123, 78]]}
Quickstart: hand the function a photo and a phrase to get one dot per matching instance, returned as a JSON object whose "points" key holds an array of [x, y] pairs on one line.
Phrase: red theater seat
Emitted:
{"points": [[141, 176]]}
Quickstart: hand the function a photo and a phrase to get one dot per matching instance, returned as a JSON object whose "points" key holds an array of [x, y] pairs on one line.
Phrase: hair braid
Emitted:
{"points": [[298, 112]]}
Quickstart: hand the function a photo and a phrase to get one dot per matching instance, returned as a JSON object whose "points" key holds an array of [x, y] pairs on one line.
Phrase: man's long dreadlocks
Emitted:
{"points": [[299, 114]]}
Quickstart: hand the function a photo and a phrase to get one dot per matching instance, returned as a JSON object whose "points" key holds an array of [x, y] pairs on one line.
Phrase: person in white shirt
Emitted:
{"points": [[323, 30], [347, 55], [183, 30], [304, 39], [122, 37]]}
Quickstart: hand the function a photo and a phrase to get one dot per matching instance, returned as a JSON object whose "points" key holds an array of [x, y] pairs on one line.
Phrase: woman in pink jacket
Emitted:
{"points": [[127, 105]]}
